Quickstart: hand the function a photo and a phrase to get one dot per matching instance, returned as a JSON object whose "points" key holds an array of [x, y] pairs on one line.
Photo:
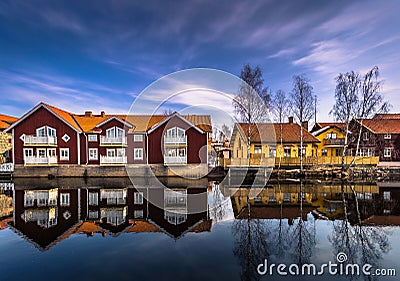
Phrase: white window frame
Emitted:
{"points": [[110, 151], [49, 130], [64, 153], [178, 131], [30, 154], [110, 133], [50, 154], [119, 150], [38, 150], [138, 214], [137, 137], [387, 136], [386, 195], [95, 155], [118, 130], [92, 138], [39, 129], [366, 136], [387, 152], [257, 149], [65, 199], [138, 153], [93, 199], [138, 198]]}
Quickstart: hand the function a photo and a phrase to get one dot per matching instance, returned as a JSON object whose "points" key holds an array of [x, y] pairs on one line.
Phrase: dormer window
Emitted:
{"points": [[115, 132], [46, 131]]}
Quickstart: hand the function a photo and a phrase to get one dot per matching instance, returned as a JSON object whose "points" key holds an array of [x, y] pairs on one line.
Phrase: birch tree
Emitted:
{"points": [[250, 103], [280, 107], [357, 97], [302, 101]]}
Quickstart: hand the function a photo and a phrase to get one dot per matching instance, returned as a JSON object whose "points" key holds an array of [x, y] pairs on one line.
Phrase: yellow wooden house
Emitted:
{"points": [[331, 137], [266, 147]]}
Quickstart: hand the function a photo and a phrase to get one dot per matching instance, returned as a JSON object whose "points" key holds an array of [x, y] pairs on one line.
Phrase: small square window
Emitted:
{"points": [[93, 198], [387, 152], [388, 136], [92, 138], [138, 214], [137, 138], [93, 154], [66, 138]]}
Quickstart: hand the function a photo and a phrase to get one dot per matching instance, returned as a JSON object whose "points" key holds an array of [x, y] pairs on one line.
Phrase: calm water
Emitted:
{"points": [[195, 230]]}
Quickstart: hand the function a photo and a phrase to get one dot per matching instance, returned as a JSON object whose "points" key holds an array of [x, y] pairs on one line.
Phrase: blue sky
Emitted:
{"points": [[99, 55]]}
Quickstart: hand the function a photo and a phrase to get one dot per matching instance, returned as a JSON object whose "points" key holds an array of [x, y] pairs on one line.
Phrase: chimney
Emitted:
{"points": [[291, 120], [305, 125], [88, 114], [103, 114]]}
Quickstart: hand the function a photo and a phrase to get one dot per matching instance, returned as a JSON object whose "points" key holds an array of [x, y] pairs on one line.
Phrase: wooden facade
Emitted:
{"points": [[50, 136]]}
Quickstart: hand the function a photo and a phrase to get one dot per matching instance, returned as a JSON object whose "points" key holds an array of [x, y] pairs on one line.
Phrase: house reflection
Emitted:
{"points": [[47, 216]]}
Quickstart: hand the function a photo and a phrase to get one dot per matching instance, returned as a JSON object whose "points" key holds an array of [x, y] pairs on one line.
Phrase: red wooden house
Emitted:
{"points": [[47, 135]]}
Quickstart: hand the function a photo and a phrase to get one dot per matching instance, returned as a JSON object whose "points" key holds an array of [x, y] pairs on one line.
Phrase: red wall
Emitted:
{"points": [[195, 140], [42, 117]]}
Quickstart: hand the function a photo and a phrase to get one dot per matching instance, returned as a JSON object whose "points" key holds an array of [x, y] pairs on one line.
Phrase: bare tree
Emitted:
{"points": [[302, 101], [250, 103], [226, 132], [346, 96], [357, 98], [280, 107]]}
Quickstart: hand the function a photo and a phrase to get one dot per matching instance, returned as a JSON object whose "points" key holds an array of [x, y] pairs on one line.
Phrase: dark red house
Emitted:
{"points": [[47, 135]]}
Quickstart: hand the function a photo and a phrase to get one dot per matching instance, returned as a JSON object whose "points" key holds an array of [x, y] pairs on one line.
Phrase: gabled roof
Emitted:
{"points": [[261, 132], [202, 123], [387, 116], [6, 121], [136, 123], [64, 116], [320, 125], [381, 126]]}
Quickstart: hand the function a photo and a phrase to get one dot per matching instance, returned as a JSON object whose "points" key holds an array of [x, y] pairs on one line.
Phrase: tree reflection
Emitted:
{"points": [[361, 243], [250, 244]]}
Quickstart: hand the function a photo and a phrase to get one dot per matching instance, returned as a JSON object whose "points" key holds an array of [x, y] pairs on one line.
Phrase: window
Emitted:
{"points": [[386, 195], [93, 154], [115, 132], [110, 132], [138, 214], [138, 198], [366, 136], [388, 136], [272, 152], [110, 152], [286, 197], [180, 132], [41, 132], [93, 215], [28, 152], [257, 149], [331, 135], [45, 131], [387, 152], [64, 153], [138, 154], [64, 199], [29, 199], [287, 152], [65, 138], [324, 152], [51, 152], [93, 198], [137, 138], [181, 152], [92, 138], [171, 133], [120, 152], [41, 152]]}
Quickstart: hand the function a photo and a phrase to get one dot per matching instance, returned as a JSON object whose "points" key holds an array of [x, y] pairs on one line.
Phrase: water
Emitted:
{"points": [[106, 229]]}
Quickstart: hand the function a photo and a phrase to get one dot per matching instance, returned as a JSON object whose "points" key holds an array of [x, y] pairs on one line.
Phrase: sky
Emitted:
{"points": [[101, 55]]}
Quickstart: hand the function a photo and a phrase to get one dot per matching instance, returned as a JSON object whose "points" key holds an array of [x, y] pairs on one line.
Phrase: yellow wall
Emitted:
{"points": [[331, 151], [240, 149]]}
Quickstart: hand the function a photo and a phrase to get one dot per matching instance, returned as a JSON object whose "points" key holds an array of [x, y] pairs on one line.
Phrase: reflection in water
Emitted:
{"points": [[281, 223]]}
